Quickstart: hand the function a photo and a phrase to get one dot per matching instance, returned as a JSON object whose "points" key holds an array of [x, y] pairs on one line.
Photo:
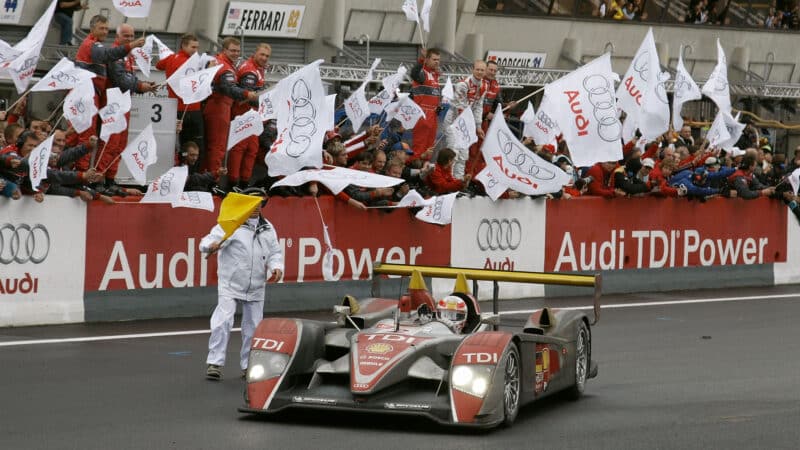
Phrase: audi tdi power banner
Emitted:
{"points": [[590, 234], [42, 261], [158, 246], [503, 235]]}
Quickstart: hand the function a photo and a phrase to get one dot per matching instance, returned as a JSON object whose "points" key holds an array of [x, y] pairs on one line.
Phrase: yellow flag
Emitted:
{"points": [[234, 211]]}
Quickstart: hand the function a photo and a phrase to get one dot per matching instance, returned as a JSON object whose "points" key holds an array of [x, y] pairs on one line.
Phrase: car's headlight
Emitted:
{"points": [[265, 365], [472, 379]]}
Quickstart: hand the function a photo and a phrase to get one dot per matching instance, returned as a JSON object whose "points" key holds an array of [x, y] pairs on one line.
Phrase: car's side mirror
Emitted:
{"points": [[340, 310]]}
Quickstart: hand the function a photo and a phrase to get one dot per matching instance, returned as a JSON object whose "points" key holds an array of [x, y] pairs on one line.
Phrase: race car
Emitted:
{"points": [[439, 358]]}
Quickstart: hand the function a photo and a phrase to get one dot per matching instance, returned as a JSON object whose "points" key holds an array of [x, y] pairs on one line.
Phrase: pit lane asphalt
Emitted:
{"points": [[687, 376]]}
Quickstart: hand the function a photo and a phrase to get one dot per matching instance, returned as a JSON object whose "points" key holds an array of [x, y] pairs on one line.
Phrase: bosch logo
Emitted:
{"points": [[24, 243], [603, 100], [499, 234]]}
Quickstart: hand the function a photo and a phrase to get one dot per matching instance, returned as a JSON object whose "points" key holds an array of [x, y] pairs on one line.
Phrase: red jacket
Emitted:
{"points": [[425, 86], [601, 181], [95, 57], [171, 64], [251, 77], [441, 181], [493, 96], [657, 179]]}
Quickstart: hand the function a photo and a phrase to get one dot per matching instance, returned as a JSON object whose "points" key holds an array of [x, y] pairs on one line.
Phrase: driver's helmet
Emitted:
{"points": [[452, 310]]}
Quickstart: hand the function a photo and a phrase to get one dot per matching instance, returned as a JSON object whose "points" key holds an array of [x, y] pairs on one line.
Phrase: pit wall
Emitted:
{"points": [[64, 262]]}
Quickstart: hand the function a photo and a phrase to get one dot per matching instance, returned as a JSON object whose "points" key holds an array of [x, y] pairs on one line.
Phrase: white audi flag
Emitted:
{"points": [[514, 165], [413, 199], [585, 109], [141, 153], [718, 133], [79, 107], [380, 101], [64, 75], [734, 130], [405, 110], [685, 90], [410, 9], [338, 178], [163, 50], [463, 128], [266, 109], [630, 93], [491, 183], [38, 161], [327, 257], [244, 126], [448, 94], [168, 187], [300, 126], [543, 129], [329, 114], [20, 62], [357, 108], [654, 116], [143, 55], [440, 211], [112, 115], [195, 200], [392, 82], [716, 87], [425, 15], [189, 67], [133, 8], [794, 180], [196, 87]]}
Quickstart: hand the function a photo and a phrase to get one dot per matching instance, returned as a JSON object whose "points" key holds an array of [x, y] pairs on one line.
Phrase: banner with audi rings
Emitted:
{"points": [[504, 235], [42, 260]]}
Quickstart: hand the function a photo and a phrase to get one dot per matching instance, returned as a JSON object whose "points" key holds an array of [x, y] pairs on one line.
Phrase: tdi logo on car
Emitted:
{"points": [[504, 235]]}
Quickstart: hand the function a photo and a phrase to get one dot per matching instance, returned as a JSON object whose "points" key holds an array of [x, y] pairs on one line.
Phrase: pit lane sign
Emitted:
{"points": [[11, 11], [262, 19], [523, 60]]}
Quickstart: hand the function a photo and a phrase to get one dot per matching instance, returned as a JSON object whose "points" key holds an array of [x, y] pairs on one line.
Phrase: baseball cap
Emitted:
{"points": [[712, 161], [648, 162], [403, 146]]}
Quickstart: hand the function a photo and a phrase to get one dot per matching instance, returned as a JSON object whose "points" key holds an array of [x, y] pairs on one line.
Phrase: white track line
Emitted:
{"points": [[521, 311]]}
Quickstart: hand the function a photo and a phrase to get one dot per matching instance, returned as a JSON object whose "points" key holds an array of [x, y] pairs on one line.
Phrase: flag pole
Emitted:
{"points": [[56, 109], [24, 94], [96, 162], [111, 163], [421, 38], [525, 98]]}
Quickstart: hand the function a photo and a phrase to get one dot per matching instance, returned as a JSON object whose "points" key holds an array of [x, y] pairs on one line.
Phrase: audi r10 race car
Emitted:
{"points": [[410, 356]]}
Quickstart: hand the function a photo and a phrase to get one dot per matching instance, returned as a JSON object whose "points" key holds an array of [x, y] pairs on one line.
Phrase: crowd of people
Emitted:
{"points": [[428, 157]]}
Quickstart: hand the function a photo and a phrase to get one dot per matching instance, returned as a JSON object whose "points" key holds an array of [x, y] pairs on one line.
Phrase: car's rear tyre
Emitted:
{"points": [[583, 347], [511, 384]]}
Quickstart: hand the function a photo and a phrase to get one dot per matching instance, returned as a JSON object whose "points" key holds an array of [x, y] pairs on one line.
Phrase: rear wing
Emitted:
{"points": [[406, 270]]}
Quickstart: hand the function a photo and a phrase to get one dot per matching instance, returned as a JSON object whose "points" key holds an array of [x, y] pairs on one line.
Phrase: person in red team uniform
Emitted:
{"points": [[425, 91], [121, 74], [217, 111], [191, 117], [95, 57], [242, 156]]}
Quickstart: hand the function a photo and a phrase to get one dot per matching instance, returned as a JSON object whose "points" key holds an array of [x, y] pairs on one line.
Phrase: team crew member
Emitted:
{"points": [[468, 94], [191, 117], [494, 97], [217, 111], [242, 156], [95, 57], [122, 75], [247, 259], [425, 91]]}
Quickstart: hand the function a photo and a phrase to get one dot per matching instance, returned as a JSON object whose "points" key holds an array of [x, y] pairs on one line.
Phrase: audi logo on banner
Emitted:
{"points": [[23, 243], [499, 234]]}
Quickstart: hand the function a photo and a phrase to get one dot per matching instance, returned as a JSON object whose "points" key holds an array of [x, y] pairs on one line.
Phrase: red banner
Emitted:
{"points": [[593, 233], [136, 246]]}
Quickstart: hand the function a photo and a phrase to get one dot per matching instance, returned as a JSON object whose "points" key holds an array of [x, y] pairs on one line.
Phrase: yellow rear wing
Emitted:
{"points": [[462, 273]]}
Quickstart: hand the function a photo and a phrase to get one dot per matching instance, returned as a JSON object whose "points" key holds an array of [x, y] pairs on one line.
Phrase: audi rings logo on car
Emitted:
{"points": [[499, 234], [23, 243]]}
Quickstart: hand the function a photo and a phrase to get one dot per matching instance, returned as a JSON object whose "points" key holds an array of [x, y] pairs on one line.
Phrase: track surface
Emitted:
{"points": [[686, 376]]}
